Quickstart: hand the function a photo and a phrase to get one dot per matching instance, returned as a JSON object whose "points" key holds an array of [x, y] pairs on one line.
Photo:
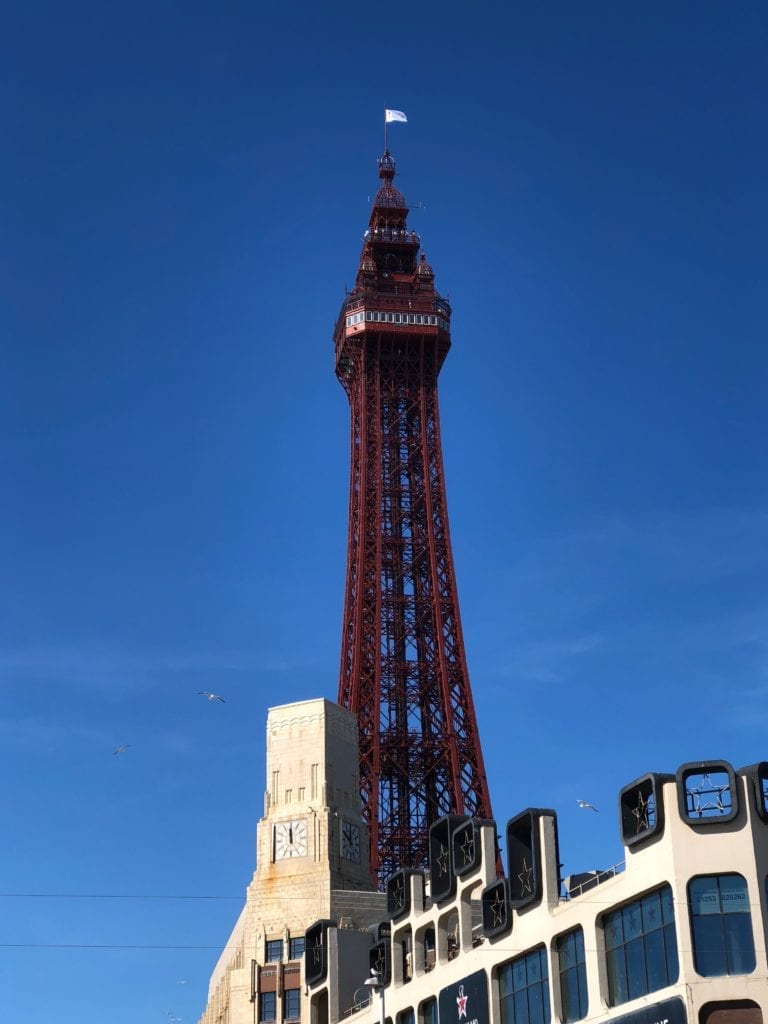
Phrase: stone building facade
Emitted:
{"points": [[311, 863]]}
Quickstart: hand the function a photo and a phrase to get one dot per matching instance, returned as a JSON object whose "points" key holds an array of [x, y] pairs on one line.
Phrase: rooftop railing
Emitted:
{"points": [[577, 885], [393, 235]]}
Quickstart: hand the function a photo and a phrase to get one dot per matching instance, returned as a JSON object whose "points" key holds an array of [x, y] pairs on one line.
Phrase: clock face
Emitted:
{"points": [[290, 839], [350, 842]]}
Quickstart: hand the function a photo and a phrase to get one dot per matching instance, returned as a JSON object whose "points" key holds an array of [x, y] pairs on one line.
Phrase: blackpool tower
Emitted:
{"points": [[403, 666]]}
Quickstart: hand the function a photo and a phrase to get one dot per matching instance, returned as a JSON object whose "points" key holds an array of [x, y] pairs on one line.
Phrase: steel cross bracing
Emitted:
{"points": [[403, 667]]}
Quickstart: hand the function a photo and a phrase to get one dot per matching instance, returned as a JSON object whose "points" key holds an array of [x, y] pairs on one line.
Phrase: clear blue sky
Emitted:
{"points": [[183, 189]]}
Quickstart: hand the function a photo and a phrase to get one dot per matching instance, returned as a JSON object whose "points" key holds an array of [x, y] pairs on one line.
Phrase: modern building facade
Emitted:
{"points": [[674, 935]]}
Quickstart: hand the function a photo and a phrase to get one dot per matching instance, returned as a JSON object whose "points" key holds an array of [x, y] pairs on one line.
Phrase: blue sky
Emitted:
{"points": [[184, 189]]}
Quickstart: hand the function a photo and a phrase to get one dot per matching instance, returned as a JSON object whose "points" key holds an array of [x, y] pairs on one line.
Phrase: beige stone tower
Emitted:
{"points": [[311, 863], [311, 833]]}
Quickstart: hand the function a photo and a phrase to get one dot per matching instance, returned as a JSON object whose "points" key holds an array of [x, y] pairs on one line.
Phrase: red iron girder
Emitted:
{"points": [[403, 665]]}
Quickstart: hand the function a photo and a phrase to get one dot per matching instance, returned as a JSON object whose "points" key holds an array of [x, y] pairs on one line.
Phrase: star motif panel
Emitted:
{"points": [[757, 777], [641, 809], [380, 960], [466, 847], [465, 1001], [496, 909], [707, 793], [441, 869], [399, 893], [524, 858], [316, 951]]}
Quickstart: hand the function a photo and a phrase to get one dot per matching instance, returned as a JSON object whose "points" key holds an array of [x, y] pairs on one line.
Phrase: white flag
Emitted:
{"points": [[394, 115]]}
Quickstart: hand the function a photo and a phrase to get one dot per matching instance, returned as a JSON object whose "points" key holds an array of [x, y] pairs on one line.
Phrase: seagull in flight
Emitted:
{"points": [[584, 806], [122, 749], [211, 696]]}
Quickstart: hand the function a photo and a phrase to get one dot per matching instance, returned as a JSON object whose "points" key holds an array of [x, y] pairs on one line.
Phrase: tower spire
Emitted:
{"points": [[403, 667], [386, 166]]}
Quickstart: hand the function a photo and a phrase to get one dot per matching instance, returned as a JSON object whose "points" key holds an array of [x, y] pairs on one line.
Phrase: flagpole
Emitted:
{"points": [[385, 131]]}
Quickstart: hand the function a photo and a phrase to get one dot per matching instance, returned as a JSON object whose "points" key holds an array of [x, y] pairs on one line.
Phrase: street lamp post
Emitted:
{"points": [[376, 984]]}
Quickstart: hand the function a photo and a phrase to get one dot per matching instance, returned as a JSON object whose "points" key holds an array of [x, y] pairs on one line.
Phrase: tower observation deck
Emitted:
{"points": [[403, 666]]}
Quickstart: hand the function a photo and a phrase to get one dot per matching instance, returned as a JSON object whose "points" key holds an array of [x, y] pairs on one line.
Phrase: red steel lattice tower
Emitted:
{"points": [[403, 666]]}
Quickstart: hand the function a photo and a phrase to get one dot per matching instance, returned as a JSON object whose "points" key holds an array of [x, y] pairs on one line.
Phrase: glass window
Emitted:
{"points": [[762, 780], [721, 923], [640, 946], [405, 1016], [292, 1004], [267, 1006], [573, 975], [296, 948], [428, 1012], [368, 315], [274, 950], [524, 989]]}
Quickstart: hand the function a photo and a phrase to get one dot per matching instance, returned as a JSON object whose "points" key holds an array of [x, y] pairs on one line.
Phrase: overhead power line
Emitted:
{"points": [[107, 896], [98, 945]]}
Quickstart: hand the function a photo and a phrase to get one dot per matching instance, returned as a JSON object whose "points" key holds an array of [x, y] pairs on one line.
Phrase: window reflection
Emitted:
{"points": [[641, 947], [721, 924]]}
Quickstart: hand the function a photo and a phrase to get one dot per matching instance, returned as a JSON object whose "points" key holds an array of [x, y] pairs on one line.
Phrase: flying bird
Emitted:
{"points": [[586, 806], [211, 696], [122, 749]]}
